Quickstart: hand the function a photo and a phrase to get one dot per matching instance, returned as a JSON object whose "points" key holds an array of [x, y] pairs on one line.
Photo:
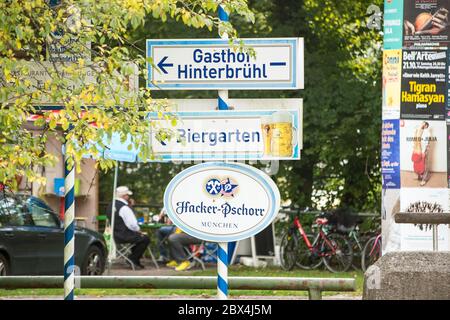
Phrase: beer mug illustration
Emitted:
{"points": [[266, 133], [282, 137]]}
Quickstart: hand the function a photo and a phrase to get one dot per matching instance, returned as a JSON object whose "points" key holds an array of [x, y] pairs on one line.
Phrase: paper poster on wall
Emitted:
{"points": [[393, 24], [390, 154], [426, 23], [392, 75], [424, 85], [423, 154], [420, 237], [448, 86], [391, 231], [448, 153]]}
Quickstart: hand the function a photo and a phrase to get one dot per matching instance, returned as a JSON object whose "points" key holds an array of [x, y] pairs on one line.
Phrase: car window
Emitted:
{"points": [[13, 212], [42, 215]]}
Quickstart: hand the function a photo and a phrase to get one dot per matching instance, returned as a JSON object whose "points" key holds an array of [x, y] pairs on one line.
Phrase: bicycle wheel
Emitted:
{"points": [[337, 253], [371, 253], [305, 258], [288, 250], [357, 249]]}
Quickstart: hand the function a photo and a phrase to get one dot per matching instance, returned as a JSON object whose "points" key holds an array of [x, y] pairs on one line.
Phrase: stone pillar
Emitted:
{"points": [[409, 276]]}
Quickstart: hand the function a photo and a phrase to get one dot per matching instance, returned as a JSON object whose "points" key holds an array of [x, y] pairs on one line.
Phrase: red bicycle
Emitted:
{"points": [[309, 251]]}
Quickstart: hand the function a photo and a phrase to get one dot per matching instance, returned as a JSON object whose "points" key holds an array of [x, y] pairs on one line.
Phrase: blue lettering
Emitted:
{"points": [[213, 139], [198, 57], [212, 73], [182, 207], [237, 135], [183, 71], [226, 209], [196, 137], [255, 70], [216, 57], [229, 72], [182, 135]]}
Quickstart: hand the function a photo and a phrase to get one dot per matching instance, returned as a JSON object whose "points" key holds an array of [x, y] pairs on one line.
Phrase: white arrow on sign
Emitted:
{"points": [[212, 64]]}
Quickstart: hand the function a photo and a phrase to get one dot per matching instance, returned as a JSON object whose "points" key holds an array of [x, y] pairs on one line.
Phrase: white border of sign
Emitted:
{"points": [[255, 174], [297, 65]]}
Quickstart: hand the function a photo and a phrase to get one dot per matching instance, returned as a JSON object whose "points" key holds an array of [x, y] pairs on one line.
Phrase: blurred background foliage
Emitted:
{"points": [[340, 162]]}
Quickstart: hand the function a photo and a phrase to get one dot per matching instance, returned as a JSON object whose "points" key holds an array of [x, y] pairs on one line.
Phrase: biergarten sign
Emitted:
{"points": [[264, 134]]}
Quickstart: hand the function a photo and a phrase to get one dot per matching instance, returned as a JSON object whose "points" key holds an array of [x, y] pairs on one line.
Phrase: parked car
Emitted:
{"points": [[32, 240]]}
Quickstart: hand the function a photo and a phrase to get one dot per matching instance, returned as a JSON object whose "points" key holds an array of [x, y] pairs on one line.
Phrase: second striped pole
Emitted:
{"points": [[69, 229]]}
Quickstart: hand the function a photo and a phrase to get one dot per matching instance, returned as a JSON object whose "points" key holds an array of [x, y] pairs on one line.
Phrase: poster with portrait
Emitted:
{"points": [[423, 154], [425, 23], [424, 84], [420, 237], [392, 81], [390, 154]]}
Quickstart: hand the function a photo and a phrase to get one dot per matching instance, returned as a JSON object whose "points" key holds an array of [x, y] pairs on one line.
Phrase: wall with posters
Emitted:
{"points": [[416, 120]]}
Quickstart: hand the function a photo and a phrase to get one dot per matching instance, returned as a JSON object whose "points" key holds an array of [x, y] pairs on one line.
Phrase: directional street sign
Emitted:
{"points": [[205, 64], [260, 129]]}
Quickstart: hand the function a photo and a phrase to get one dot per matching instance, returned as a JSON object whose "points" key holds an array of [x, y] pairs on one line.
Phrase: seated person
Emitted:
{"points": [[126, 228], [177, 241], [162, 234]]}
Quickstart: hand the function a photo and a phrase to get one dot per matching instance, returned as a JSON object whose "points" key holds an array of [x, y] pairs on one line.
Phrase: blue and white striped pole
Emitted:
{"points": [[69, 229], [223, 94], [222, 271], [222, 252]]}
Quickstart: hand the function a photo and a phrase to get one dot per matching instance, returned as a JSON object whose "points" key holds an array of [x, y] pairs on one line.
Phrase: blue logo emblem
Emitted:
{"points": [[225, 187], [213, 186], [228, 188]]}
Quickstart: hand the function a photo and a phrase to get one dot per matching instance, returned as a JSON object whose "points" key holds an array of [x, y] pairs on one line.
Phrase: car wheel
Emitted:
{"points": [[94, 262], [4, 266]]}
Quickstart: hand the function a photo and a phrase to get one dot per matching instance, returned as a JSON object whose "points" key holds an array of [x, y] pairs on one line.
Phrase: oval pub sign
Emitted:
{"points": [[222, 202]]}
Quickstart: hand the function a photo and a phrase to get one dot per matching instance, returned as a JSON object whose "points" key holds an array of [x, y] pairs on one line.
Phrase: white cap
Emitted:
{"points": [[123, 190]]}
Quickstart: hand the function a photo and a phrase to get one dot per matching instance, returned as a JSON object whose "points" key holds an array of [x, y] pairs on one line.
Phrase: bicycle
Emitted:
{"points": [[309, 251], [357, 241], [353, 235], [371, 252]]}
